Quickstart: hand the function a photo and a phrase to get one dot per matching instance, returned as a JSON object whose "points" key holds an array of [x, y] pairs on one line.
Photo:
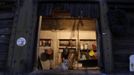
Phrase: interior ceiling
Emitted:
{"points": [[61, 20], [68, 24]]}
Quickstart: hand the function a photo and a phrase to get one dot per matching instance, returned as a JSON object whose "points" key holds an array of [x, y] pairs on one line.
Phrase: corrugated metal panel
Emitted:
{"points": [[121, 25], [6, 22], [122, 49], [6, 19]]}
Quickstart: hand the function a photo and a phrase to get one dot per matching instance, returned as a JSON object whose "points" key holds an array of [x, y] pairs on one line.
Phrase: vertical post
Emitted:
{"points": [[38, 43], [106, 38], [99, 47], [22, 47]]}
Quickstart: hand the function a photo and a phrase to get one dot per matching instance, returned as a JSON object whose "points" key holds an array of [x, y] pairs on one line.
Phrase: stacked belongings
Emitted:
{"points": [[47, 56]]}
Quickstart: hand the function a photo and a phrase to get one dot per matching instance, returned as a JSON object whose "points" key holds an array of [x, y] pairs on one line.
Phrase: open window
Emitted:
{"points": [[66, 42]]}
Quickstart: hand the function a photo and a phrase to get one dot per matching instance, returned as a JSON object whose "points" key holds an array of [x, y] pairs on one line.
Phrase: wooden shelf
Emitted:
{"points": [[69, 43], [63, 43], [86, 50], [67, 39], [45, 42], [68, 48], [87, 39]]}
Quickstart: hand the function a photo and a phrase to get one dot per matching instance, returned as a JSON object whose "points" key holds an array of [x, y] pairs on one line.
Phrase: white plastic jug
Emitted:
{"points": [[131, 63]]}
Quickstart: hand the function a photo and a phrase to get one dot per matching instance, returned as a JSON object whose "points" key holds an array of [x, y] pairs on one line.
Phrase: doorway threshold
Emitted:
{"points": [[68, 72]]}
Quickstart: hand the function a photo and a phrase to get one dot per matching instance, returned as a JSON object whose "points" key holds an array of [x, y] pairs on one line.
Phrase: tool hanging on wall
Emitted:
{"points": [[76, 26], [80, 23], [72, 33]]}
